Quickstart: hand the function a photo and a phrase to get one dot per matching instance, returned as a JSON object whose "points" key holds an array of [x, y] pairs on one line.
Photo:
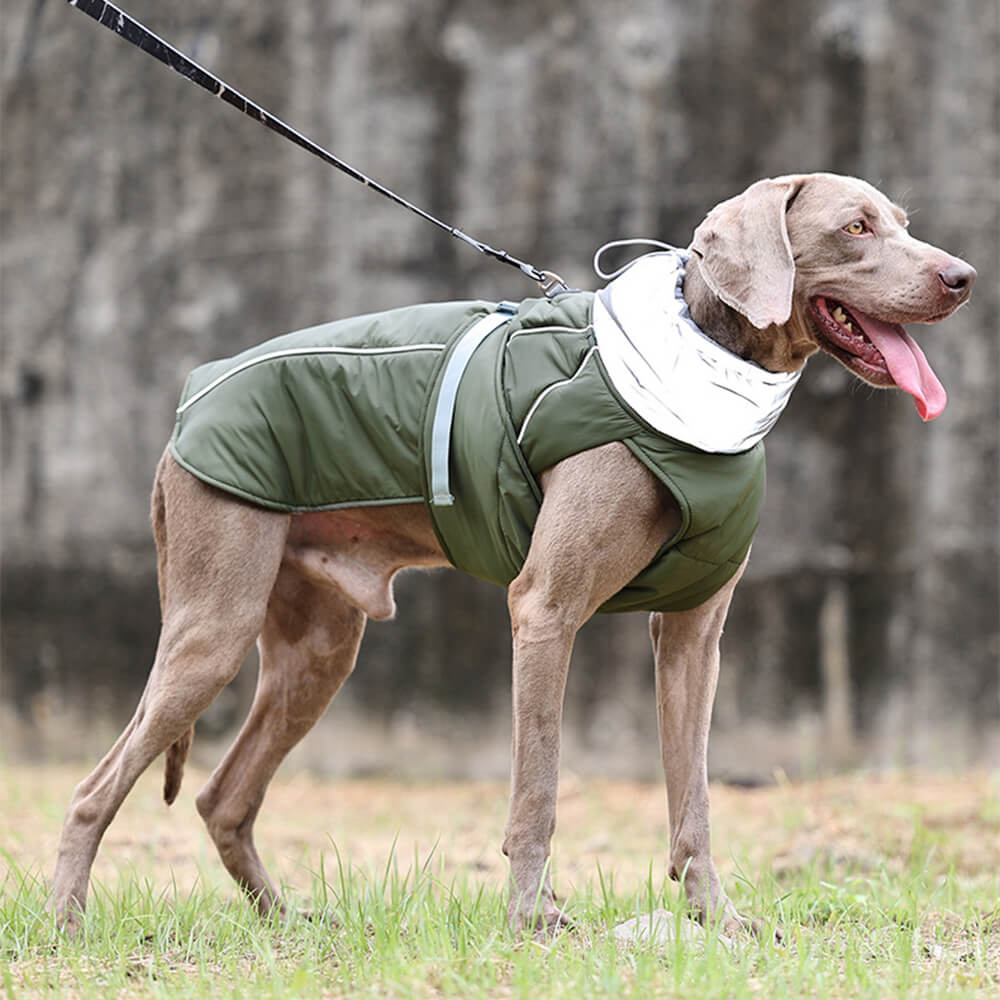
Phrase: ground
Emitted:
{"points": [[845, 857]]}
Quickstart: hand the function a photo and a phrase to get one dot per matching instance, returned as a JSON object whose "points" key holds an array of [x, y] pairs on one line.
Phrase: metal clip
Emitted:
{"points": [[551, 284]]}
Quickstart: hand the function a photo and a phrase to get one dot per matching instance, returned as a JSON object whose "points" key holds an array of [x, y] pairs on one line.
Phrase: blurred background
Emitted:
{"points": [[147, 228]]}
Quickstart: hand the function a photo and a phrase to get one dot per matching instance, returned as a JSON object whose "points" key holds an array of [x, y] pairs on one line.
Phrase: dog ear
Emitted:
{"points": [[744, 253]]}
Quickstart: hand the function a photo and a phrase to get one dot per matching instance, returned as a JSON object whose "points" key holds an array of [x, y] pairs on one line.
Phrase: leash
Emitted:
{"points": [[122, 24]]}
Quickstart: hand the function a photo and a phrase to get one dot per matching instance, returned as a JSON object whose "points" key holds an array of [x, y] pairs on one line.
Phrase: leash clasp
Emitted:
{"points": [[551, 284]]}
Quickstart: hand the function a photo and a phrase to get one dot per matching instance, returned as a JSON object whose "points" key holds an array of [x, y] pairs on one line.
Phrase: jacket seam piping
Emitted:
{"points": [[551, 388], [298, 352]]}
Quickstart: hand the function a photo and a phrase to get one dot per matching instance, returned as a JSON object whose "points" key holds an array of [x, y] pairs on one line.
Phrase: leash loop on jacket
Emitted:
{"points": [[634, 241]]}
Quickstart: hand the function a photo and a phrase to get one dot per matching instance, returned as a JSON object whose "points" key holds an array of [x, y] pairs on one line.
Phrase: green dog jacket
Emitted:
{"points": [[409, 406]]}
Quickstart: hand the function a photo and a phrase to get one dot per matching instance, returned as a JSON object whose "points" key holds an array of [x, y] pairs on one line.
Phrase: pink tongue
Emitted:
{"points": [[907, 364]]}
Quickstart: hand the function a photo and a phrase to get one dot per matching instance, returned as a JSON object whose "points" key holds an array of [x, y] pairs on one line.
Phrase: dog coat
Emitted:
{"points": [[462, 406]]}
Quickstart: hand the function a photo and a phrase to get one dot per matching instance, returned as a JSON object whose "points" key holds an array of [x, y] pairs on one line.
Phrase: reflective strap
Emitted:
{"points": [[444, 411]]}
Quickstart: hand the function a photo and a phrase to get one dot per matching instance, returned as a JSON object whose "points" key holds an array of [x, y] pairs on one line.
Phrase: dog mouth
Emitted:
{"points": [[882, 354]]}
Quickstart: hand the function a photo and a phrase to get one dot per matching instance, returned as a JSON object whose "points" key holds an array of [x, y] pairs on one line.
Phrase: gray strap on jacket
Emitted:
{"points": [[444, 410]]}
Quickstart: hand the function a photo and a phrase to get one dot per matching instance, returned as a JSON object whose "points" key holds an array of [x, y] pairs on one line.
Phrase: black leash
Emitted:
{"points": [[132, 31]]}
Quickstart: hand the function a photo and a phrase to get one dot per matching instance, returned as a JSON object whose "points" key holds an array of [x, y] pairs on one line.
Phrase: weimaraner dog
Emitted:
{"points": [[793, 265]]}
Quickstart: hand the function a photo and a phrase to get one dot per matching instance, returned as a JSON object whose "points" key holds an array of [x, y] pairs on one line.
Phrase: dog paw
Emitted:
{"points": [[541, 923], [735, 926], [324, 917], [552, 924], [68, 921]]}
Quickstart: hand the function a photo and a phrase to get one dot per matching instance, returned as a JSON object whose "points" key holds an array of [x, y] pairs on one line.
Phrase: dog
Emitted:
{"points": [[793, 265]]}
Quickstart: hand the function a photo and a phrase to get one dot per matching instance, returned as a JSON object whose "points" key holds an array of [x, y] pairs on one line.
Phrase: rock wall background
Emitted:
{"points": [[147, 227]]}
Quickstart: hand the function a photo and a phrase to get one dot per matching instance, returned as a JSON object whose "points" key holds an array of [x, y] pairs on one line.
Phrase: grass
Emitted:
{"points": [[884, 888]]}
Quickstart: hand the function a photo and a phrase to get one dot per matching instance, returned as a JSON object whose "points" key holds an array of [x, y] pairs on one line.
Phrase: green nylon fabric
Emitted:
{"points": [[318, 431], [323, 430]]}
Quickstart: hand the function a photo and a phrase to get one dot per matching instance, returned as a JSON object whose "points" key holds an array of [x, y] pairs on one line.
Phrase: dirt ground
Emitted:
{"points": [[854, 824]]}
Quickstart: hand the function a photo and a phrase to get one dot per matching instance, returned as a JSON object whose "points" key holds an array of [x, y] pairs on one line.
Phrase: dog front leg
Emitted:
{"points": [[602, 520], [686, 649], [543, 640]]}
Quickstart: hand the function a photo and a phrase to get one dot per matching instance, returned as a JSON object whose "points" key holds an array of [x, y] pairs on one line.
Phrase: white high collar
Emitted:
{"points": [[678, 380]]}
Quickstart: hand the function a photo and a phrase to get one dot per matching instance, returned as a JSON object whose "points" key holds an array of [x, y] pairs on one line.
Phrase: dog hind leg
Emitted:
{"points": [[307, 647], [218, 567]]}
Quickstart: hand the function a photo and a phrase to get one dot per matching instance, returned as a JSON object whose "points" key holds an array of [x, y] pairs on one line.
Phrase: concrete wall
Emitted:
{"points": [[148, 227]]}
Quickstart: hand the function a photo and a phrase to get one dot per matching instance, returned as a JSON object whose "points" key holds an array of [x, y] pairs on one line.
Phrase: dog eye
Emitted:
{"points": [[857, 228]]}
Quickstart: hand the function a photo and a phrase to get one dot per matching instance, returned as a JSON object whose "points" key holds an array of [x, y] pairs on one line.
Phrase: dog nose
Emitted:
{"points": [[958, 277]]}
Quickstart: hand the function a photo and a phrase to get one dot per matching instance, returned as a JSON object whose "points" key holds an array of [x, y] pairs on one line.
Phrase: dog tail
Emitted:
{"points": [[174, 770], [177, 752]]}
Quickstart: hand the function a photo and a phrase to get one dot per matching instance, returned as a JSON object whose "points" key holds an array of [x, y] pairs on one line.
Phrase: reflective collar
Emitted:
{"points": [[678, 380]]}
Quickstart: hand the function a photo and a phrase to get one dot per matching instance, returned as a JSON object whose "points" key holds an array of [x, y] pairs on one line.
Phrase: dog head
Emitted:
{"points": [[823, 262]]}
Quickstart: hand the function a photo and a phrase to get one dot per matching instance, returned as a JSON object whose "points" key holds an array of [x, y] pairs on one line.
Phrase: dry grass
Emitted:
{"points": [[855, 823]]}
